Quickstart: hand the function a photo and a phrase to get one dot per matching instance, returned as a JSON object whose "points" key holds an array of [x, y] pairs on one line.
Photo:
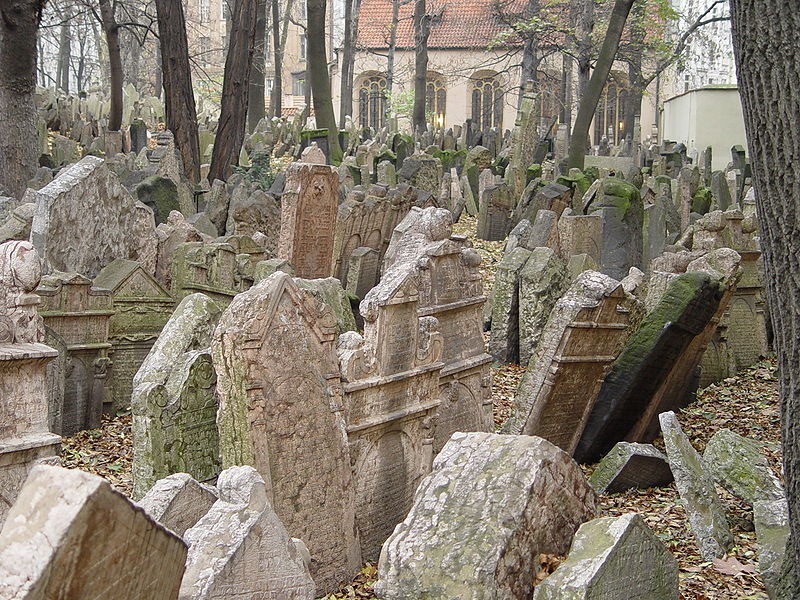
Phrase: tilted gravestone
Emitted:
{"points": [[505, 334], [68, 526], [775, 562], [494, 213], [178, 501], [631, 466], [491, 504], [287, 422]]}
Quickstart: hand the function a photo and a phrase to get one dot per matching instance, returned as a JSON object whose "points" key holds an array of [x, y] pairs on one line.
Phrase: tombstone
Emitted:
{"points": [[212, 268], [67, 527], [586, 331], [553, 196], [240, 547], [771, 521], [79, 314], [363, 271], [308, 218], [494, 213], [470, 205], [171, 234], [580, 234], [544, 232], [614, 558], [422, 171], [87, 202], [160, 194], [138, 131], [252, 210], [518, 237], [467, 497], [330, 292], [17, 226], [141, 308], [737, 463], [178, 502], [504, 340], [288, 422], [173, 404], [654, 231], [720, 190], [24, 436], [696, 488], [631, 466]]}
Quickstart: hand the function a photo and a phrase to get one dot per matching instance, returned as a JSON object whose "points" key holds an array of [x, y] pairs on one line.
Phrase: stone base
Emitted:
{"points": [[17, 458]]}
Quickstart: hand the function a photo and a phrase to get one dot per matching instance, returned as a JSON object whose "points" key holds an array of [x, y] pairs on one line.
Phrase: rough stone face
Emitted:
{"points": [[68, 526], [494, 213], [736, 462], [173, 403], [504, 337], [85, 219], [696, 487], [631, 466], [581, 234], [178, 501], [330, 292], [287, 421], [613, 558], [479, 520], [241, 549], [771, 520]]}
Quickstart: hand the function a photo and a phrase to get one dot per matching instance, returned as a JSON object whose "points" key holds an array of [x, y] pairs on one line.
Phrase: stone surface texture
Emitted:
{"points": [[631, 466]]}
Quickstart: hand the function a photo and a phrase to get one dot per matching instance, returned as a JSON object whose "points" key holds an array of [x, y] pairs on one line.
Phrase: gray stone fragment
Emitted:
{"points": [[178, 501], [696, 487], [771, 520], [504, 339], [631, 466], [613, 558]]}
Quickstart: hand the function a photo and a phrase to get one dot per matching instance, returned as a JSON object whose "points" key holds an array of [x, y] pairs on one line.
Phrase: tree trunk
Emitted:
{"points": [[19, 158], [528, 69], [583, 30], [320, 78], [111, 30], [766, 48], [588, 103], [348, 60], [422, 30], [180, 110], [233, 108], [390, 57], [65, 50], [256, 109], [277, 88]]}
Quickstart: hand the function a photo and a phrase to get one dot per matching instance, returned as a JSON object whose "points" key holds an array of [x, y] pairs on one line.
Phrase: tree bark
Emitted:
{"points": [[422, 30], [588, 103], [256, 109], [65, 50], [320, 77], [111, 30], [583, 30], [233, 109], [181, 113], [766, 48], [19, 159], [348, 60], [390, 57], [277, 88]]}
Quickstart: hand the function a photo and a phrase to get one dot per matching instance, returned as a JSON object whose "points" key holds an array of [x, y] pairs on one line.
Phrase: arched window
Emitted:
{"points": [[436, 100], [609, 120], [487, 102], [548, 99], [372, 102]]}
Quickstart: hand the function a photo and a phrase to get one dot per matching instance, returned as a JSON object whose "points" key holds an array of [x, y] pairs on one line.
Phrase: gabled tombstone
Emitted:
{"points": [[178, 502], [286, 421]]}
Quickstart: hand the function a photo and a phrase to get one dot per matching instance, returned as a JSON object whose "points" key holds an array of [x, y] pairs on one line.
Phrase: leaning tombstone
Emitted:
{"points": [[68, 526], [631, 466], [178, 502], [771, 521], [504, 337]]}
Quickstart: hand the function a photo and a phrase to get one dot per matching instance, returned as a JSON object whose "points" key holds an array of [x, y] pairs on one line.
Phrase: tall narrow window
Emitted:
{"points": [[436, 101], [205, 11], [609, 119], [372, 102], [302, 46], [487, 103]]}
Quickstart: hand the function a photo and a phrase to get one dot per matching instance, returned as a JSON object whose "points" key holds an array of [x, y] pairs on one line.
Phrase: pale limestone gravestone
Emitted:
{"points": [[581, 234], [173, 403], [24, 436], [87, 202], [308, 217], [585, 333], [737, 463], [631, 466], [178, 502], [494, 213], [241, 549], [17, 225], [171, 234], [613, 558], [771, 521], [696, 487], [67, 527], [313, 155], [287, 421], [363, 271], [491, 504], [505, 333], [330, 292]]}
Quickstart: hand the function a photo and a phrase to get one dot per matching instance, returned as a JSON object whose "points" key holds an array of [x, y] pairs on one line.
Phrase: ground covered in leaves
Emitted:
{"points": [[746, 404]]}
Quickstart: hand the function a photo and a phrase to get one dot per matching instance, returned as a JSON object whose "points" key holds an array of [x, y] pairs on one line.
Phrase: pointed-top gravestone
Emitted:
{"points": [[178, 501], [631, 466]]}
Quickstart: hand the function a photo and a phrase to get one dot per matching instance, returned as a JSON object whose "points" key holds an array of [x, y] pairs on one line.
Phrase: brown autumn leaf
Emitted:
{"points": [[730, 565]]}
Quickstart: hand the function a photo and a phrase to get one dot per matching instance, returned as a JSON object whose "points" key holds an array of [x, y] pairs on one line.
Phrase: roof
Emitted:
{"points": [[456, 24]]}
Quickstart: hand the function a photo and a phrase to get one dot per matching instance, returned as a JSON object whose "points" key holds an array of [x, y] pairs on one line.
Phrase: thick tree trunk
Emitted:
{"points": [[255, 108], [233, 109], [65, 50], [529, 67], [422, 30], [277, 88], [19, 159], [320, 78], [179, 104], [767, 47], [348, 59], [588, 103], [111, 30], [583, 32]]}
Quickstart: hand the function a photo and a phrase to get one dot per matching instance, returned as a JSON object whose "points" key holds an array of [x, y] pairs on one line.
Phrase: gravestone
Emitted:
{"points": [[178, 502], [68, 527], [241, 549], [173, 404], [491, 504], [494, 213], [580, 234], [505, 334], [544, 231], [614, 558], [771, 521], [24, 436], [308, 216], [160, 194], [362, 272], [422, 171], [288, 422], [172, 233], [631, 466]]}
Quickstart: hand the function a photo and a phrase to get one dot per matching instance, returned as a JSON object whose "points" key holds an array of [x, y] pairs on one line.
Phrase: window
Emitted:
{"points": [[487, 103], [372, 102], [609, 119], [548, 99], [298, 84], [302, 46], [205, 51], [269, 84], [205, 11], [224, 11], [435, 101]]}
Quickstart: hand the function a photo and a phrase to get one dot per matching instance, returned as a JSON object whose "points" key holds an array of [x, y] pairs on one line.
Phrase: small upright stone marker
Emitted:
{"points": [[178, 501]]}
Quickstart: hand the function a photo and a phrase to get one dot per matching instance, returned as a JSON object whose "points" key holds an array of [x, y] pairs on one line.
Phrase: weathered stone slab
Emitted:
{"points": [[494, 213], [771, 520], [363, 271], [696, 487], [581, 234], [67, 527], [631, 466], [241, 549], [178, 502], [504, 337], [491, 504], [332, 294], [736, 463], [287, 421]]}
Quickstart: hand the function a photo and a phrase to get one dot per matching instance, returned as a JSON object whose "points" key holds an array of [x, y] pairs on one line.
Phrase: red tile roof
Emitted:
{"points": [[458, 23]]}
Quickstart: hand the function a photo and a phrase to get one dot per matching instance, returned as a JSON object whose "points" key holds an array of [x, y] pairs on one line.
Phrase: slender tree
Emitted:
{"points": [[111, 31], [256, 109], [180, 110], [277, 57], [348, 59], [767, 51], [320, 77], [422, 29]]}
